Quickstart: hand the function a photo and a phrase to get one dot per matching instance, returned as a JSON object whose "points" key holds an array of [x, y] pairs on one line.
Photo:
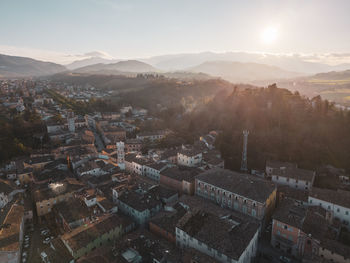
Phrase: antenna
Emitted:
{"points": [[244, 164]]}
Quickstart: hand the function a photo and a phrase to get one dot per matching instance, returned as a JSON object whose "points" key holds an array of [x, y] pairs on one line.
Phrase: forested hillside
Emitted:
{"points": [[282, 125]]}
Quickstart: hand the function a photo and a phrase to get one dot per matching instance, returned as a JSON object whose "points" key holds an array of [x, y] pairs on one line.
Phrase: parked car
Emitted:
{"points": [[47, 240], [285, 259], [45, 232]]}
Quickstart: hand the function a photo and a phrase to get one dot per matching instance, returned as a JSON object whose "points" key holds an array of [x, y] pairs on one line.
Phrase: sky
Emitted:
{"points": [[65, 30]]}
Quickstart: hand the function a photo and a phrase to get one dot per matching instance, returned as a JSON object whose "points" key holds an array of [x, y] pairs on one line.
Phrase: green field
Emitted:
{"points": [[329, 81]]}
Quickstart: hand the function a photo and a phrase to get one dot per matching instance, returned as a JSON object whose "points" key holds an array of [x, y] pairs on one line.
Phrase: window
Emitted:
{"points": [[347, 212], [278, 233], [253, 212]]}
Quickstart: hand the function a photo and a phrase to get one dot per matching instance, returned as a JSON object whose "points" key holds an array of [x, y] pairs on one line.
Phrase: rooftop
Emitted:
{"points": [[83, 235], [72, 210], [57, 252], [242, 184], [292, 193], [279, 164], [58, 188], [5, 187], [291, 214], [11, 227], [169, 220], [220, 233], [295, 173], [139, 202], [339, 197], [181, 173]]}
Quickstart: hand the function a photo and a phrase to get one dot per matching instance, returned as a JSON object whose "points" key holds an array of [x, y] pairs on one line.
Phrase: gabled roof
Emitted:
{"points": [[244, 185]]}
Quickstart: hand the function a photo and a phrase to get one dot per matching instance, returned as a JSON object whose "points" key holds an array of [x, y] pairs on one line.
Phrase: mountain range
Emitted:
{"points": [[11, 66], [242, 72], [232, 66], [133, 66]]}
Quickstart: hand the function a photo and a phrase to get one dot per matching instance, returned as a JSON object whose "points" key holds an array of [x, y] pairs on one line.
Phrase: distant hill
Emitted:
{"points": [[293, 63], [90, 61], [132, 66], [333, 86], [11, 66], [242, 72], [333, 75]]}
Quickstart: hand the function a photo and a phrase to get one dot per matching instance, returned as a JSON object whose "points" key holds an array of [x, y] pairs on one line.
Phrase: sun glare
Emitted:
{"points": [[269, 35]]}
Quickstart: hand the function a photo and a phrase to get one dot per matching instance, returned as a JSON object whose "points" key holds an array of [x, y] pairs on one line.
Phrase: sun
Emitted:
{"points": [[269, 35]]}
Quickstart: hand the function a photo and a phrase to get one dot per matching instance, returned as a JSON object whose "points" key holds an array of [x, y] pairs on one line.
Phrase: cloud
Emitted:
{"points": [[52, 56], [328, 58]]}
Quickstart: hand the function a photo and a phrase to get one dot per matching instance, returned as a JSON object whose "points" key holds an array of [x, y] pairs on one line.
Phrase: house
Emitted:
{"points": [[95, 167], [153, 170], [133, 145], [134, 164], [180, 178], [83, 239], [38, 162], [139, 112], [144, 246], [164, 223], [189, 157], [55, 193], [226, 239], [334, 251], [337, 202], [110, 115], [72, 213], [112, 134], [140, 207], [307, 232], [299, 196], [271, 165], [11, 234], [170, 155], [294, 177], [57, 252], [240, 192], [152, 136], [286, 227], [6, 193], [212, 159], [106, 205]]}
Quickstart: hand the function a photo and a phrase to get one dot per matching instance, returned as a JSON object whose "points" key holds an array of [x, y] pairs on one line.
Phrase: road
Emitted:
{"points": [[98, 140]]}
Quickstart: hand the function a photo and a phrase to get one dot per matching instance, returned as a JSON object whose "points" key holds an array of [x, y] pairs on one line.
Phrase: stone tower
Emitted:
{"points": [[121, 155]]}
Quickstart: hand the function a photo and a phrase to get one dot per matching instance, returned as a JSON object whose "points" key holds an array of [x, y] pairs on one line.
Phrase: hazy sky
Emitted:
{"points": [[141, 28]]}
